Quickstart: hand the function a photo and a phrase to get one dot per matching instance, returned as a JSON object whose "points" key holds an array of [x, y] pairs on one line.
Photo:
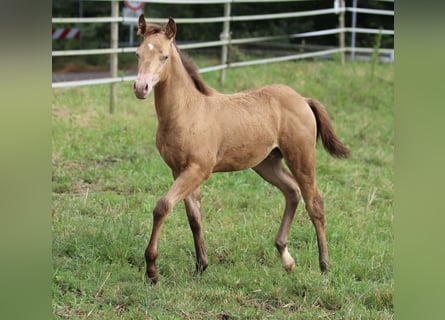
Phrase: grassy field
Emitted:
{"points": [[108, 175]]}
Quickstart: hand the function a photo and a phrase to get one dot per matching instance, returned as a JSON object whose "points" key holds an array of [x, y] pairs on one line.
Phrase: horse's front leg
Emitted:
{"points": [[194, 215], [185, 183]]}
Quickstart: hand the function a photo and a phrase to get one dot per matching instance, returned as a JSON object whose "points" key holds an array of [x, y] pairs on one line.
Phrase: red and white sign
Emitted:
{"points": [[66, 33], [134, 5], [132, 9]]}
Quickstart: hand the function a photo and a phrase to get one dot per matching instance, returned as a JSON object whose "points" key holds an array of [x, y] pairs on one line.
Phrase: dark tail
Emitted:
{"points": [[331, 142]]}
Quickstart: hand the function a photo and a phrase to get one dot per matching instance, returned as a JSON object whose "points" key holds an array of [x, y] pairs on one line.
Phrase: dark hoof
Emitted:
{"points": [[152, 280], [200, 268], [324, 266]]}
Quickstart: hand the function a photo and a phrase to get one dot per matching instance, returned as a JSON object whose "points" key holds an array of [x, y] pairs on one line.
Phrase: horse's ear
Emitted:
{"points": [[142, 25], [170, 28]]}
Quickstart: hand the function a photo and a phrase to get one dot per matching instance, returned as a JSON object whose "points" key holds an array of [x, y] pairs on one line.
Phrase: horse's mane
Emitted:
{"points": [[192, 71]]}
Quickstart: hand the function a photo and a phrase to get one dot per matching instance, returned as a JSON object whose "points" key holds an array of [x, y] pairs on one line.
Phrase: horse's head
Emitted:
{"points": [[153, 55]]}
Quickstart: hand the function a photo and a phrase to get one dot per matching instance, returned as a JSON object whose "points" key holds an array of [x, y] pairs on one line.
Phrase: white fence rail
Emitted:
{"points": [[337, 8]]}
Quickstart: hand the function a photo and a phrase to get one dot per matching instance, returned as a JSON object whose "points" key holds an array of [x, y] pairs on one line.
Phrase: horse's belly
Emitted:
{"points": [[241, 157]]}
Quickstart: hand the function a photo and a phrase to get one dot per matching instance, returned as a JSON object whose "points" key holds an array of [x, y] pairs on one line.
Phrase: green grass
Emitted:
{"points": [[108, 175]]}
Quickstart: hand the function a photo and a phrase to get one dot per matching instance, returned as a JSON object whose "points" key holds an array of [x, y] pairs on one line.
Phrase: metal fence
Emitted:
{"points": [[337, 7]]}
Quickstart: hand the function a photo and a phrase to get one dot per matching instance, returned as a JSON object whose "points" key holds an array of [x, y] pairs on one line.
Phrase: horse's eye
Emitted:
{"points": [[164, 58], [137, 54]]}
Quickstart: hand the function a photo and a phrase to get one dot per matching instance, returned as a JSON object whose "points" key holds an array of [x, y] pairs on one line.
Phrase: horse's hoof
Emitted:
{"points": [[323, 266], [152, 280], [289, 267], [200, 267]]}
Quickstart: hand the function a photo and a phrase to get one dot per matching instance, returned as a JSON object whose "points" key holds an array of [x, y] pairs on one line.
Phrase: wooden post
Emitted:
{"points": [[225, 35], [354, 25], [341, 20], [113, 56]]}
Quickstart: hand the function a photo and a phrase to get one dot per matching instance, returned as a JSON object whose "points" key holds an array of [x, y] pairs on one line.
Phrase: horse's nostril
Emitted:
{"points": [[134, 85], [146, 87]]}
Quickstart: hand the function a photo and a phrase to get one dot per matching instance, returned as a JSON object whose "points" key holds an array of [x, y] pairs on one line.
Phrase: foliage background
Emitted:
{"points": [[97, 35]]}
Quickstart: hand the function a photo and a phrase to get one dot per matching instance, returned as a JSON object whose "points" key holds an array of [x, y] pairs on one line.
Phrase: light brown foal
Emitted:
{"points": [[201, 131]]}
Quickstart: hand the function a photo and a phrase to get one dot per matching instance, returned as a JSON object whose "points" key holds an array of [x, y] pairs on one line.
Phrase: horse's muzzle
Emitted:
{"points": [[142, 87]]}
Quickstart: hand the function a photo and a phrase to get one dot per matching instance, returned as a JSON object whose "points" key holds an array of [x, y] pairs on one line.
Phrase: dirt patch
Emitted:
{"points": [[61, 112]]}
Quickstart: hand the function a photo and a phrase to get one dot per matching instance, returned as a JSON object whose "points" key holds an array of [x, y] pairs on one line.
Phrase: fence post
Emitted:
{"points": [[341, 22], [225, 35], [113, 56], [354, 24]]}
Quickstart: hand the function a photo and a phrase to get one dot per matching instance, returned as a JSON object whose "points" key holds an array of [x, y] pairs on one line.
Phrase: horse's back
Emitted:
{"points": [[293, 108], [297, 123], [275, 107], [252, 123]]}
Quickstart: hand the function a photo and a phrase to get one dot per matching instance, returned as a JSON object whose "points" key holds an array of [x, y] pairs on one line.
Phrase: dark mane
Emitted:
{"points": [[150, 29], [192, 71]]}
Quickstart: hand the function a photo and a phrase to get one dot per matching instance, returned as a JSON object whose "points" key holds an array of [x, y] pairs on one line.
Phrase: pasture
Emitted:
{"points": [[108, 175]]}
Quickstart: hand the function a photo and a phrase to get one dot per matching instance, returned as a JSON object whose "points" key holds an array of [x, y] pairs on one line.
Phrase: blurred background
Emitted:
{"points": [[285, 36]]}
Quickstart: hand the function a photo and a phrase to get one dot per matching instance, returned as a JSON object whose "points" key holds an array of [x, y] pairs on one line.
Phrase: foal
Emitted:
{"points": [[201, 131]]}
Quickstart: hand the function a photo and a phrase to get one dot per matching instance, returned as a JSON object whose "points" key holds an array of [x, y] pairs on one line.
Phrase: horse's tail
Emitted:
{"points": [[331, 142]]}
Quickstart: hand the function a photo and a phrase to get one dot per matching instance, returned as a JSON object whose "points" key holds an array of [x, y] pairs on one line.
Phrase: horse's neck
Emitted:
{"points": [[174, 93]]}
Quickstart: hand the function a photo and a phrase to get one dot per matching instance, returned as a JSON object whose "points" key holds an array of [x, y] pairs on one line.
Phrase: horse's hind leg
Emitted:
{"points": [[193, 209], [302, 166], [272, 170]]}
